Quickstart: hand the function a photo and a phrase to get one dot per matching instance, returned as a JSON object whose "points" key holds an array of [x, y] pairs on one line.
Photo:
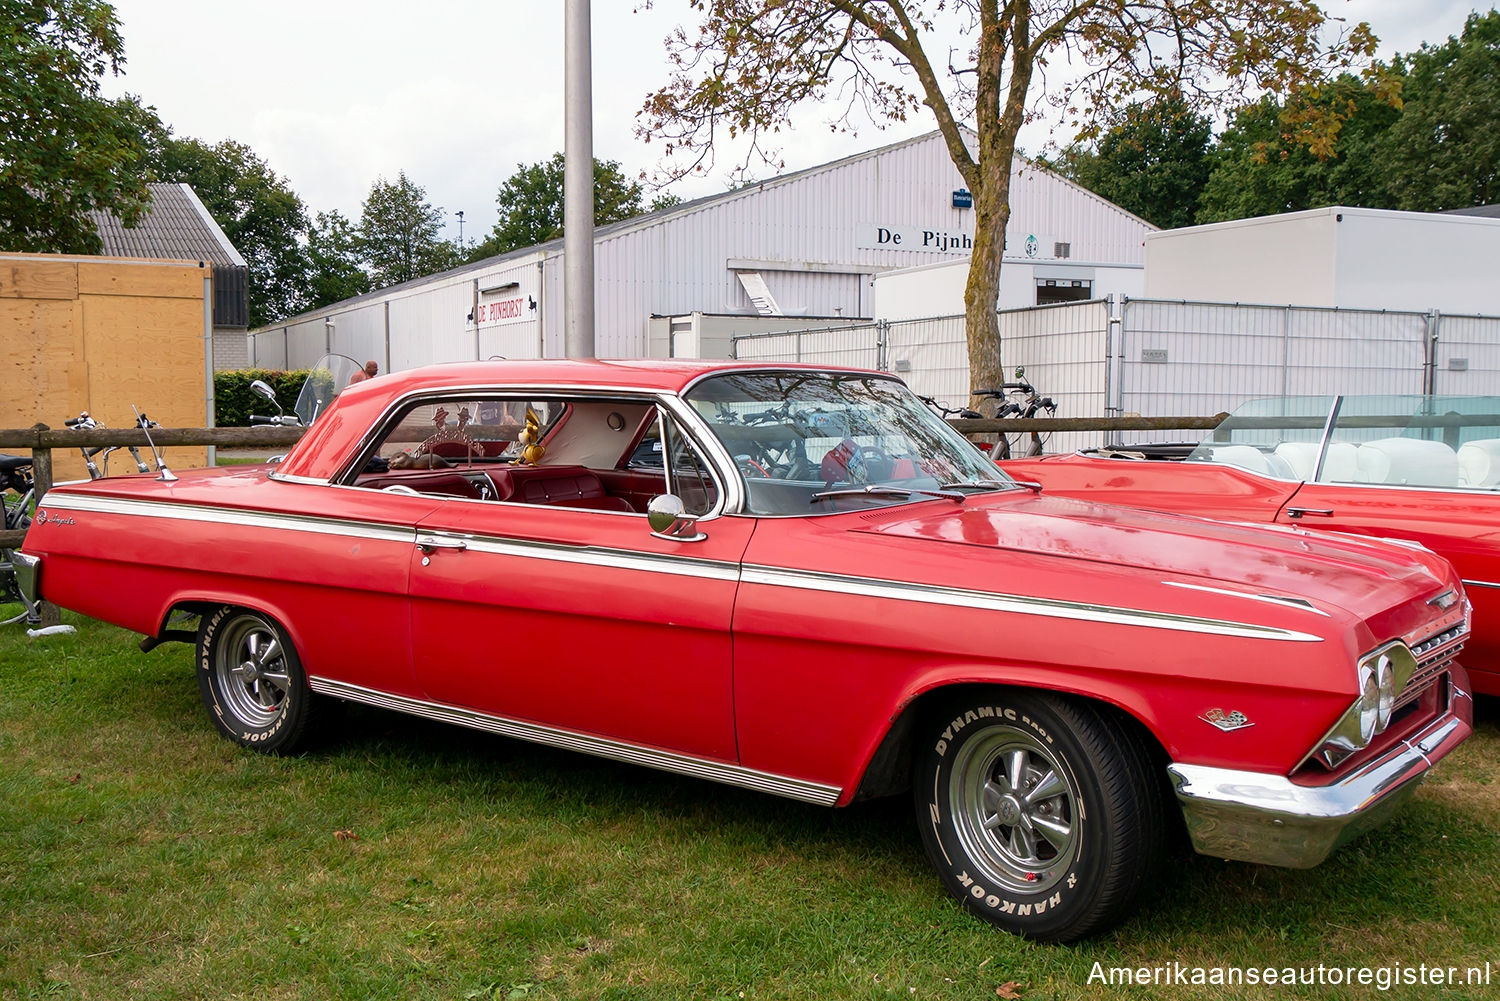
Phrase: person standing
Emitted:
{"points": [[368, 372]]}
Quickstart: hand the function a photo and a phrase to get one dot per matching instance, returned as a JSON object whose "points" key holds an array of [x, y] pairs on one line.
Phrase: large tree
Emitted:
{"points": [[1152, 160], [335, 261], [751, 64], [257, 209], [531, 204], [1260, 167], [398, 231], [1444, 152], [64, 149]]}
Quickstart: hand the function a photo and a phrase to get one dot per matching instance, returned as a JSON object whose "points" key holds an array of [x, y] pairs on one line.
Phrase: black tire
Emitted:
{"points": [[252, 681], [1056, 867]]}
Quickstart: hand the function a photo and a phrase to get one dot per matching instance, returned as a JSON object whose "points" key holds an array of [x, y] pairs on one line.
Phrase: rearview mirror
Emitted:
{"points": [[260, 389]]}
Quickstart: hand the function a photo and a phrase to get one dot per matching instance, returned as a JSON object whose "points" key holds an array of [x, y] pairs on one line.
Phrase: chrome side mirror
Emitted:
{"points": [[669, 520], [259, 388]]}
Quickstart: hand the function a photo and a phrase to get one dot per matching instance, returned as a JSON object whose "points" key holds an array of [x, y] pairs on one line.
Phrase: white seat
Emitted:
{"points": [[1245, 456], [1408, 462], [1479, 463], [1302, 456]]}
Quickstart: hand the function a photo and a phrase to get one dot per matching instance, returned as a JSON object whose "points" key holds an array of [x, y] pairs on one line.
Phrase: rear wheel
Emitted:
{"points": [[252, 681], [1041, 814]]}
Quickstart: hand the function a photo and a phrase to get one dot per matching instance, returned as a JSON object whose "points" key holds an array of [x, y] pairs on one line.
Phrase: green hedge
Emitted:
{"points": [[234, 403]]}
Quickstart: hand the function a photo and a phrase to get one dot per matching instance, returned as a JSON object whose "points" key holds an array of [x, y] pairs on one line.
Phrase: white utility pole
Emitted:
{"points": [[578, 184]]}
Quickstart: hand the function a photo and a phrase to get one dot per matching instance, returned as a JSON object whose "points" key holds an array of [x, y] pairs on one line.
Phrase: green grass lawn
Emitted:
{"points": [[142, 856]]}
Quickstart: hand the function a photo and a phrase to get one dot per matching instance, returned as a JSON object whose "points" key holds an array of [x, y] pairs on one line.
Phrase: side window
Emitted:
{"points": [[683, 469], [688, 475]]}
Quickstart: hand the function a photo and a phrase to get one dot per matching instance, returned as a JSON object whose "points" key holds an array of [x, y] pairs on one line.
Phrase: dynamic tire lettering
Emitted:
{"points": [[1042, 815]]}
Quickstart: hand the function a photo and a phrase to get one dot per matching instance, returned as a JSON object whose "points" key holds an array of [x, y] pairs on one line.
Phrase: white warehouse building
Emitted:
{"points": [[793, 251]]}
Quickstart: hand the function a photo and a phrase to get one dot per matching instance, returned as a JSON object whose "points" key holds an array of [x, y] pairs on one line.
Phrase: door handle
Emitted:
{"points": [[431, 544], [1298, 512]]}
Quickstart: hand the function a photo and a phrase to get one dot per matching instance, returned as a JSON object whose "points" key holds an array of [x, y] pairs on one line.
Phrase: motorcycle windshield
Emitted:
{"points": [[325, 380]]}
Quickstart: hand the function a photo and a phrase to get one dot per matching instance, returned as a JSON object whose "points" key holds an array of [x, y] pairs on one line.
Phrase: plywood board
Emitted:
{"points": [[147, 353], [39, 342], [136, 339], [39, 277], [140, 278]]}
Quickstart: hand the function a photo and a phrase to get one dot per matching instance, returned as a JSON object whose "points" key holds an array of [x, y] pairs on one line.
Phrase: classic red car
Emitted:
{"points": [[1421, 468], [802, 582]]}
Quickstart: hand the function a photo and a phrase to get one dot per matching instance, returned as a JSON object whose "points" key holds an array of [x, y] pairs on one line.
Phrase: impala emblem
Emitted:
{"points": [[1444, 601], [1226, 721]]}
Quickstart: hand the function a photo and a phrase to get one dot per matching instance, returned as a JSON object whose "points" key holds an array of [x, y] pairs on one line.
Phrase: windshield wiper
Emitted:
{"points": [[876, 490], [981, 485]]}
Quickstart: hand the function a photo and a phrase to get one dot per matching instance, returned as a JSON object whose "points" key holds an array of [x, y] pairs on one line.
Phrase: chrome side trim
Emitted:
{"points": [[289, 478], [173, 511], [1299, 603], [1259, 817], [590, 555], [1019, 604], [682, 764], [1481, 583]]}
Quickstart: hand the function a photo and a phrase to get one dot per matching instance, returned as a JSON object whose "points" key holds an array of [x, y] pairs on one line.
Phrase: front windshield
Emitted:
{"points": [[809, 442]]}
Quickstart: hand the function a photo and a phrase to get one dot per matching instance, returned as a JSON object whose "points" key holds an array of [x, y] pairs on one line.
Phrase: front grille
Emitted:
{"points": [[1434, 656]]}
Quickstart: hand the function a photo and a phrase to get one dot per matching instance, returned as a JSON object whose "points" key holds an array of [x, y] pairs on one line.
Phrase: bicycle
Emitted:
{"points": [[17, 492], [1021, 400]]}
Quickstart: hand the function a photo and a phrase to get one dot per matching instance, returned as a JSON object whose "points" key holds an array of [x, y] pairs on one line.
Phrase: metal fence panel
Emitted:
{"points": [[860, 346], [1063, 349], [932, 355], [1196, 358], [1467, 356]]}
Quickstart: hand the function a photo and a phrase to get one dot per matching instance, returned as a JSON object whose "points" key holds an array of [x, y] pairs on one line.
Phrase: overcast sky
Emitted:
{"points": [[334, 93]]}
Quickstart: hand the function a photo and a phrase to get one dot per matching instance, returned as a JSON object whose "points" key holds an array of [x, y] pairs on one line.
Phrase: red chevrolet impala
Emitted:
{"points": [[802, 582]]}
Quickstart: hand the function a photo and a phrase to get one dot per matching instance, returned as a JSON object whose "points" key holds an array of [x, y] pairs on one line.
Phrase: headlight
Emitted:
{"points": [[1380, 676]]}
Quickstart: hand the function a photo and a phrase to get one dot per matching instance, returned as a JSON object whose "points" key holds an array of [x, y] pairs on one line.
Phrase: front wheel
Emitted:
{"points": [[1043, 815], [252, 681]]}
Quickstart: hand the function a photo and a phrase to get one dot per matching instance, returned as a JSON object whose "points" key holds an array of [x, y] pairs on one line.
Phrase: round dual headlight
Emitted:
{"points": [[1377, 697], [1369, 703]]}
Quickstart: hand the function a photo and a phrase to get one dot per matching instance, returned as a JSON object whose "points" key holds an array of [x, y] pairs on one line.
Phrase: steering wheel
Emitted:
{"points": [[751, 468]]}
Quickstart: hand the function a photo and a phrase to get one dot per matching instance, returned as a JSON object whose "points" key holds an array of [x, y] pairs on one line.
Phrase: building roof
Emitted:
{"points": [[612, 230], [1485, 211], [177, 227]]}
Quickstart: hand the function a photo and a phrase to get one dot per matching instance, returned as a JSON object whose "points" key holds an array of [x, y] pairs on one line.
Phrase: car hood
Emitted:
{"points": [[1285, 560]]}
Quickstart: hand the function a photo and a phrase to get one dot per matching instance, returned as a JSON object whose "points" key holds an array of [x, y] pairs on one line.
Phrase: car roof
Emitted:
{"points": [[658, 375], [330, 440]]}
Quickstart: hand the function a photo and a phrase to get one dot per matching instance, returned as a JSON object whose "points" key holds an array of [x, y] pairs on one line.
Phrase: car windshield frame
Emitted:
{"points": [[1391, 440], [813, 442]]}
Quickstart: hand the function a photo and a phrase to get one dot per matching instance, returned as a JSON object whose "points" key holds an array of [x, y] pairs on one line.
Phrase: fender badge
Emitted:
{"points": [[1226, 721], [1444, 601]]}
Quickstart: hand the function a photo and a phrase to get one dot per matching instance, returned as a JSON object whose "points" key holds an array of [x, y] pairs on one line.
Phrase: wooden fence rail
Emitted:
{"points": [[41, 440]]}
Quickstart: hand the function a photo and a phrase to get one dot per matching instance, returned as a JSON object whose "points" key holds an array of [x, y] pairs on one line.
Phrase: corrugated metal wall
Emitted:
{"points": [[417, 324], [802, 233], [679, 264]]}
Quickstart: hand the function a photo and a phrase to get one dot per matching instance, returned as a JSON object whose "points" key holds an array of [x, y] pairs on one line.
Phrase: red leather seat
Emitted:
{"points": [[559, 486]]}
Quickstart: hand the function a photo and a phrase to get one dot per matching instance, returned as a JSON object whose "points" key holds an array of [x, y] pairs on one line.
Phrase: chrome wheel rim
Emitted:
{"points": [[251, 669], [1015, 809]]}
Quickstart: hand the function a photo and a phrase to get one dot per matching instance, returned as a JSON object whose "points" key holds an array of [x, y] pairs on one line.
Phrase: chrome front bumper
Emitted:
{"points": [[28, 571], [1256, 817]]}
